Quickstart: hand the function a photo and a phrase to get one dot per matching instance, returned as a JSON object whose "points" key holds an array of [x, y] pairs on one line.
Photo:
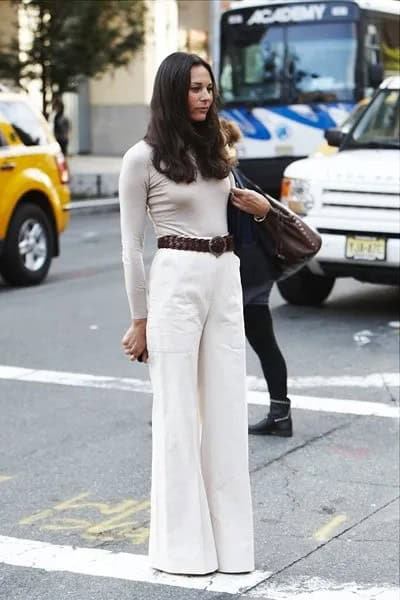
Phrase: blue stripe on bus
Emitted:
{"points": [[318, 115], [249, 125]]}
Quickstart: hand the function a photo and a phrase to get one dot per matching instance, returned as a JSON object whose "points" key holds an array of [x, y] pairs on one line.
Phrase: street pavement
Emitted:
{"points": [[75, 443]]}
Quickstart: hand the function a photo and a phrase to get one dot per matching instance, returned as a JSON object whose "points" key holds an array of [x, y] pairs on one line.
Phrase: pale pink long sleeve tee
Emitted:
{"points": [[197, 209]]}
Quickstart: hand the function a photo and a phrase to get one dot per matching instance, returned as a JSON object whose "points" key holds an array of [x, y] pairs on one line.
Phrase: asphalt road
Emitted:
{"points": [[75, 443]]}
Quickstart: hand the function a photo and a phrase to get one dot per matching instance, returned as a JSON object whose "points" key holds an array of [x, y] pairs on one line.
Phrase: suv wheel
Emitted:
{"points": [[29, 246], [306, 289]]}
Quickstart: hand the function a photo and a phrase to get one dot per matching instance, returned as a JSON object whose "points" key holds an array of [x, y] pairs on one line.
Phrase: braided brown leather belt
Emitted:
{"points": [[216, 245]]}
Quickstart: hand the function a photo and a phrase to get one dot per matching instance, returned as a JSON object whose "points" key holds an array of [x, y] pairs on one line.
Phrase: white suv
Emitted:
{"points": [[353, 199]]}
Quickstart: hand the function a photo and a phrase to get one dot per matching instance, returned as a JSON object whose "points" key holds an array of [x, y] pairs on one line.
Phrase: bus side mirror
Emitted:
{"points": [[375, 75], [334, 137]]}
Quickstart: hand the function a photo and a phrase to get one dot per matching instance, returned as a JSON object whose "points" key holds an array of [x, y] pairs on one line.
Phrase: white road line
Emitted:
{"points": [[322, 404], [75, 379], [334, 405], [375, 380], [117, 565], [134, 567], [315, 588]]}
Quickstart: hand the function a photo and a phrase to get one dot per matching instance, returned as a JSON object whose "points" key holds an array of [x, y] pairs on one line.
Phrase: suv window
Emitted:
{"points": [[379, 125], [25, 122]]}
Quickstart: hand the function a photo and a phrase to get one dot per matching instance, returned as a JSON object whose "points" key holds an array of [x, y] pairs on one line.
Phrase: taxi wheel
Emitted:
{"points": [[306, 289], [29, 246]]}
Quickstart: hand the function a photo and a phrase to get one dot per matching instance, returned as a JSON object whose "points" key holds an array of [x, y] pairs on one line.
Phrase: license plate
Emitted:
{"points": [[365, 248]]}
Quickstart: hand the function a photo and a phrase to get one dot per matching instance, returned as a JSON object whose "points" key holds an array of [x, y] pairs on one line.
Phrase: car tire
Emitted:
{"points": [[306, 289], [29, 246]]}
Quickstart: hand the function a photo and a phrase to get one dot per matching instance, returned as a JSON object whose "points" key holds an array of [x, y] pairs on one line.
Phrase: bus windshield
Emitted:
{"points": [[297, 63]]}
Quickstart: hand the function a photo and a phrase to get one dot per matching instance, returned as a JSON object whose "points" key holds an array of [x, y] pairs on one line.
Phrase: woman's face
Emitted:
{"points": [[200, 95]]}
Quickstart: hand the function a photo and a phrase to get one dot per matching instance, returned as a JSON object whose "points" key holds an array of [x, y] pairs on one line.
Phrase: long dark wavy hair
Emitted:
{"points": [[176, 139]]}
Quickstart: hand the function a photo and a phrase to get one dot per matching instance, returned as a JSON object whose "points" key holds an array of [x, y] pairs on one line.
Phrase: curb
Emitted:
{"points": [[93, 206]]}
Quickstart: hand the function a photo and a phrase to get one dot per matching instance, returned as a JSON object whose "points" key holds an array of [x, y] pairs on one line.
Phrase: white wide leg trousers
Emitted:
{"points": [[201, 514]]}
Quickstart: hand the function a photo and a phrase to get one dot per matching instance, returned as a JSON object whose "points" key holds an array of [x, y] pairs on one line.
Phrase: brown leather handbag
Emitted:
{"points": [[287, 240]]}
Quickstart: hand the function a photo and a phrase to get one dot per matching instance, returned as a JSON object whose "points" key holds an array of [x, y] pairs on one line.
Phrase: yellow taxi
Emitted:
{"points": [[34, 193]]}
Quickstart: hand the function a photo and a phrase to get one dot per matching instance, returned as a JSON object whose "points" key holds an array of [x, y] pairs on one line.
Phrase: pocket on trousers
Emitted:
{"points": [[168, 286], [228, 318], [174, 338]]}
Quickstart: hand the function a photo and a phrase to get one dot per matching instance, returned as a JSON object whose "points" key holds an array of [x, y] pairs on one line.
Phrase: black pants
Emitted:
{"points": [[260, 334], [64, 146]]}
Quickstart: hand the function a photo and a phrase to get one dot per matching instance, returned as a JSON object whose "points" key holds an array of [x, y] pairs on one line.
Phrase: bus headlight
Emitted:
{"points": [[296, 194]]}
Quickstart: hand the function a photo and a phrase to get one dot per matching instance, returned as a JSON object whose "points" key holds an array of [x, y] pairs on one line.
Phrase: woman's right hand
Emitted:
{"points": [[134, 341], [250, 201]]}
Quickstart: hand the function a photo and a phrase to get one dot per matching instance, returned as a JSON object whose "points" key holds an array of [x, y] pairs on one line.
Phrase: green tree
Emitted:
{"points": [[72, 39]]}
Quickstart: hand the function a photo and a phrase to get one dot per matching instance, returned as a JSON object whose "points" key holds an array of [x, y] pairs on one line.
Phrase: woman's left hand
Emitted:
{"points": [[250, 201]]}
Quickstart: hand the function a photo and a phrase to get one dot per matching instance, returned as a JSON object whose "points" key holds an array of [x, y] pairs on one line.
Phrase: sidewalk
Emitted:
{"points": [[94, 176]]}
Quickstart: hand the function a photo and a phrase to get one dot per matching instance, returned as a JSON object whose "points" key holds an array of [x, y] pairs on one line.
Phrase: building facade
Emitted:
{"points": [[110, 113], [118, 103]]}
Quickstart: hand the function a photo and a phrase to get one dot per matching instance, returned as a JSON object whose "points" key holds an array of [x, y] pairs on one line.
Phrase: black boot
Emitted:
{"points": [[278, 422]]}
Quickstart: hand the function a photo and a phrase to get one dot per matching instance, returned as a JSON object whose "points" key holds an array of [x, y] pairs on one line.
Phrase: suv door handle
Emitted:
{"points": [[7, 166]]}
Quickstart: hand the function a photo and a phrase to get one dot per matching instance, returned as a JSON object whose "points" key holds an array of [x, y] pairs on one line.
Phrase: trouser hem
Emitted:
{"points": [[185, 571]]}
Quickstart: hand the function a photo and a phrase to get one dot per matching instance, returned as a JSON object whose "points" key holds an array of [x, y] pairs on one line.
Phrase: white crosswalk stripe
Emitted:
{"points": [[117, 565], [134, 567], [255, 396]]}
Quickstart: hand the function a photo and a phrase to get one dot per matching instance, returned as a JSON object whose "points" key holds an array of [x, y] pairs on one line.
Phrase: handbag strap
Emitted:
{"points": [[242, 178]]}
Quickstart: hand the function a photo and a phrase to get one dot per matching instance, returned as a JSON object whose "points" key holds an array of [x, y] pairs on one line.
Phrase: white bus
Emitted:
{"points": [[290, 70]]}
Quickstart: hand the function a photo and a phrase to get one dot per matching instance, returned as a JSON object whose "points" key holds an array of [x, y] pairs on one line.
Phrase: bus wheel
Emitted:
{"points": [[306, 289]]}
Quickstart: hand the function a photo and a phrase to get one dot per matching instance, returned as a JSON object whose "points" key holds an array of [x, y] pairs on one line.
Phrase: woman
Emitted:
{"points": [[191, 329], [257, 285]]}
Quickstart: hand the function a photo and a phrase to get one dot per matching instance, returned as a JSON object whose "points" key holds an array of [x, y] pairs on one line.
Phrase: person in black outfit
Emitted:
{"points": [[257, 284], [60, 125], [260, 335]]}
